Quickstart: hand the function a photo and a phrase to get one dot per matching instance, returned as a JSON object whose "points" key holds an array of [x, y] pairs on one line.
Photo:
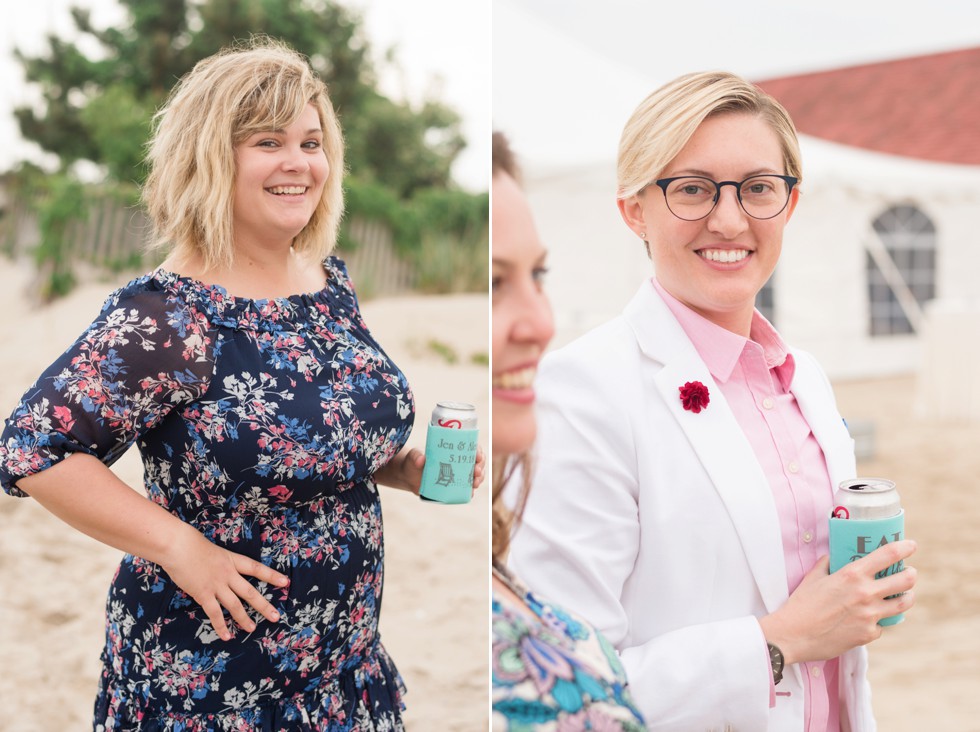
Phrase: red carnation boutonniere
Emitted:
{"points": [[694, 396]]}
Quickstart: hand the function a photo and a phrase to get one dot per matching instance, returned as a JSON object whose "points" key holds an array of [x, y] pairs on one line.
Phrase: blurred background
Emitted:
{"points": [[878, 265], [79, 82], [82, 79]]}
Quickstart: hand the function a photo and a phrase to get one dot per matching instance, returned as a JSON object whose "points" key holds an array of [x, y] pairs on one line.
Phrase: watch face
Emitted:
{"points": [[776, 658]]}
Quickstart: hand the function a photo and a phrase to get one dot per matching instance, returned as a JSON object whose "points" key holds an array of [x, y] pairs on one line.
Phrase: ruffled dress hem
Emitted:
{"points": [[366, 699]]}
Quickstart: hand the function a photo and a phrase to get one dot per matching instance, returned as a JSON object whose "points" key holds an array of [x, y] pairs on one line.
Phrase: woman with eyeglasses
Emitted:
{"points": [[551, 670], [687, 457]]}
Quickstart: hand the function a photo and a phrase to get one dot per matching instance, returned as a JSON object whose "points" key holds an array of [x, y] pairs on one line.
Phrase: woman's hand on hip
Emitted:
{"points": [[86, 494], [215, 578], [829, 614]]}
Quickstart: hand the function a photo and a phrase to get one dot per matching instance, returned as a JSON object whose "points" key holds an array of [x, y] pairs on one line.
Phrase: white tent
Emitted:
{"points": [[564, 113], [820, 287]]}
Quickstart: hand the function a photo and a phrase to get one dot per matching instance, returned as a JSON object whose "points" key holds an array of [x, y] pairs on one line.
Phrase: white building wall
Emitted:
{"points": [[595, 262], [821, 286], [821, 290]]}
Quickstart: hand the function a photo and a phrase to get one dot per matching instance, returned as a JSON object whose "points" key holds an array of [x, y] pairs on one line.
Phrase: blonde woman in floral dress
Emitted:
{"points": [[265, 414]]}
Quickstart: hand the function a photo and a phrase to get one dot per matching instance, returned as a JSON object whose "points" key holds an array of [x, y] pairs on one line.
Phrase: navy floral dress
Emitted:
{"points": [[260, 423]]}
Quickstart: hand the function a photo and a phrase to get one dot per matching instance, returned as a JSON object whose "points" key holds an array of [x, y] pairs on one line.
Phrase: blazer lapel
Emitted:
{"points": [[716, 438]]}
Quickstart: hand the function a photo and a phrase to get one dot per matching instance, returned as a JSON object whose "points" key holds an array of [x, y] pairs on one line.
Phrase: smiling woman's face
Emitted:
{"points": [[716, 265], [522, 322], [279, 180]]}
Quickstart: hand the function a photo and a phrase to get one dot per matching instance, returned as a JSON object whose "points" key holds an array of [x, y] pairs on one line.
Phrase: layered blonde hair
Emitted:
{"points": [[259, 86], [666, 120]]}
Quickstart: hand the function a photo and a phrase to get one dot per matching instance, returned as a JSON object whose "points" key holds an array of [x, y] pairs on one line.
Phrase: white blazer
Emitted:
{"points": [[658, 525]]}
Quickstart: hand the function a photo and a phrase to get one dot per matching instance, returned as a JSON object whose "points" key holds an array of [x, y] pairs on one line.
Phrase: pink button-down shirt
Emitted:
{"points": [[755, 375]]}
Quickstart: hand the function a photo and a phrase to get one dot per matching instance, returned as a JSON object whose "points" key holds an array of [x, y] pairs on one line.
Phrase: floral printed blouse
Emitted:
{"points": [[260, 423], [555, 672]]}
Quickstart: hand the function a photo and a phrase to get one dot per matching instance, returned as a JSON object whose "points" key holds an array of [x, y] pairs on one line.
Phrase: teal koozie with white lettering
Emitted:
{"points": [[851, 539], [450, 456]]}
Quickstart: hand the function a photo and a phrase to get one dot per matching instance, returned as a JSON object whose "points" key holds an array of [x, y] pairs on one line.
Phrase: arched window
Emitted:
{"points": [[903, 277]]}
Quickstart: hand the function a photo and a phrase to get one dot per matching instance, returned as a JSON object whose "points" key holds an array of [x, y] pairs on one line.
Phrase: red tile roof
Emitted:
{"points": [[925, 107]]}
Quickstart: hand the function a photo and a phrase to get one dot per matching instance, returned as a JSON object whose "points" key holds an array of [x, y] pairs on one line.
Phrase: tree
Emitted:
{"points": [[136, 66], [98, 107]]}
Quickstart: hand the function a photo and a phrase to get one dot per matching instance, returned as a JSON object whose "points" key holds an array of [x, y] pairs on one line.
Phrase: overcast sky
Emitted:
{"points": [[568, 75], [442, 45]]}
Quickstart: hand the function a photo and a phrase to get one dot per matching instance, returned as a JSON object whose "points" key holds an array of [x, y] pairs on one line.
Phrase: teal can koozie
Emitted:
{"points": [[450, 454], [867, 514]]}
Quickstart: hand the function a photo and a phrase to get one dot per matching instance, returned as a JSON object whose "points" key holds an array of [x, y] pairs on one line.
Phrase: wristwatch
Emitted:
{"points": [[776, 659]]}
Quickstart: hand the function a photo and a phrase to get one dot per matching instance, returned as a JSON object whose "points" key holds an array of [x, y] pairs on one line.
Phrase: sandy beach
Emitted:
{"points": [[925, 672], [434, 620]]}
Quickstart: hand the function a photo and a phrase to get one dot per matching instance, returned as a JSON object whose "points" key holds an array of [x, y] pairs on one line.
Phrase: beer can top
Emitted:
{"points": [[458, 415], [866, 499], [868, 485], [461, 406]]}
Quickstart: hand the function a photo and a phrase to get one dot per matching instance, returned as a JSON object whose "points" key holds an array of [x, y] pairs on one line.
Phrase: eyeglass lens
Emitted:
{"points": [[693, 198]]}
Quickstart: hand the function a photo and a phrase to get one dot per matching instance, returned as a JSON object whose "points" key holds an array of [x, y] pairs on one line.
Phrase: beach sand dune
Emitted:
{"points": [[434, 620], [925, 672]]}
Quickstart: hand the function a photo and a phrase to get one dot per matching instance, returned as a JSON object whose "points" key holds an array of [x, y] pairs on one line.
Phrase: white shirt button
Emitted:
{"points": [[767, 403], [807, 536], [815, 672], [793, 467]]}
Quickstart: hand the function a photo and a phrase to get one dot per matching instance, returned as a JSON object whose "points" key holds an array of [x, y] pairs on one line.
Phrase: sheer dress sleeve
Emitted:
{"points": [[146, 353]]}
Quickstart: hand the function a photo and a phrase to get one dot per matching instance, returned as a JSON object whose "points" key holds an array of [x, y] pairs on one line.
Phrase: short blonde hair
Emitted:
{"points": [[666, 120], [226, 98]]}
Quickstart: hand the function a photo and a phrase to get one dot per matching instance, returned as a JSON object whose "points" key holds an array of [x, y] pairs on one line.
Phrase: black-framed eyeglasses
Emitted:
{"points": [[691, 197]]}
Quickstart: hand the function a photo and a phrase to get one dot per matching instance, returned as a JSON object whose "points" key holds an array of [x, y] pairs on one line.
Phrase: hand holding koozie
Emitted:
{"points": [[868, 514], [450, 453]]}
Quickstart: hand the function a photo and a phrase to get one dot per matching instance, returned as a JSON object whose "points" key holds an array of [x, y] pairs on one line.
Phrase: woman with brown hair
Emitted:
{"points": [[551, 670]]}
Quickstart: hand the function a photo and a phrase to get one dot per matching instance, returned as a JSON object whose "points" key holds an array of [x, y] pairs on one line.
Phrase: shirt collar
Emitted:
{"points": [[721, 349]]}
